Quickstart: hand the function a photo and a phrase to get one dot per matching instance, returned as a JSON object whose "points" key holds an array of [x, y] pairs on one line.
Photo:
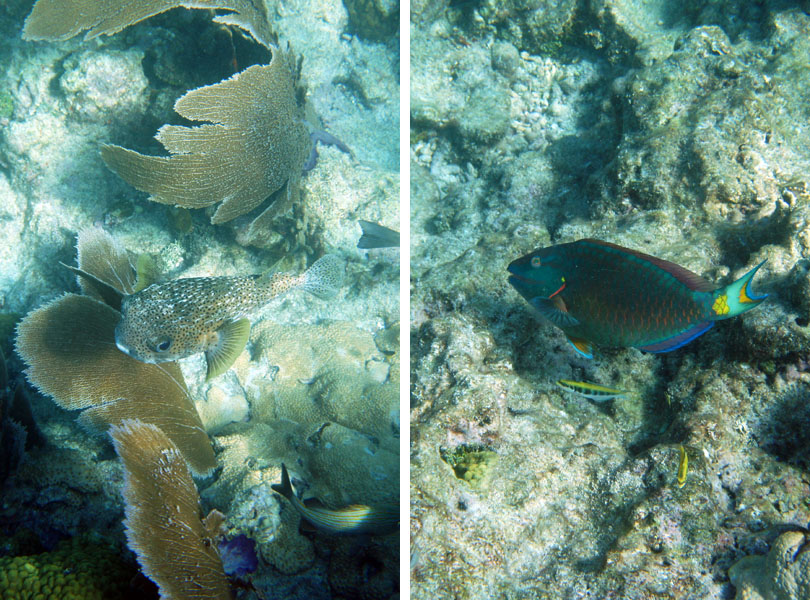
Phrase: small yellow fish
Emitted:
{"points": [[592, 391], [353, 519], [179, 318], [683, 466]]}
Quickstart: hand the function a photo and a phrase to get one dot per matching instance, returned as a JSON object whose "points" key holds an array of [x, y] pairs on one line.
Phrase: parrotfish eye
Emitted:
{"points": [[163, 345], [536, 262]]}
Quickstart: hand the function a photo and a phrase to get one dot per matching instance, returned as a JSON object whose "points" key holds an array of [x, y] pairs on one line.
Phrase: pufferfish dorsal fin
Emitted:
{"points": [[554, 311], [233, 337], [111, 296]]}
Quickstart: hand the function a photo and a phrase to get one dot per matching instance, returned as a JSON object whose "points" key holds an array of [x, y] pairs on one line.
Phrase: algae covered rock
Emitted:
{"points": [[375, 20], [716, 126]]}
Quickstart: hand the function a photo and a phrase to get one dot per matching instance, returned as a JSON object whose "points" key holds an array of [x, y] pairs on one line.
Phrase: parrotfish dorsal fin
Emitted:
{"points": [[691, 280], [233, 337]]}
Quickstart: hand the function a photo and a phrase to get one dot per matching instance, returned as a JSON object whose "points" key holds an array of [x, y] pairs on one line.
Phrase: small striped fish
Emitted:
{"points": [[353, 519], [683, 466], [592, 391]]}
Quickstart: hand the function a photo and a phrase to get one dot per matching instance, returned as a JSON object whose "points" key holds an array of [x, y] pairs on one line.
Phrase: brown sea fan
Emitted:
{"points": [[163, 521], [252, 143], [63, 19], [71, 355]]}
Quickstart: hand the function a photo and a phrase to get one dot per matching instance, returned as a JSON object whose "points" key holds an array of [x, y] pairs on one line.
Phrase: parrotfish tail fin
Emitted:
{"points": [[737, 297], [325, 277], [285, 487]]}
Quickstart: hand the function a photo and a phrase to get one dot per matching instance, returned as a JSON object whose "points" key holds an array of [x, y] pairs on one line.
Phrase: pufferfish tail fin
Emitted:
{"points": [[325, 277], [737, 297]]}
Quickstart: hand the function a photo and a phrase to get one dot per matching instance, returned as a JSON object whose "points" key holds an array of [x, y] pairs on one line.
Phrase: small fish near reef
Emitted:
{"points": [[601, 293], [173, 320], [592, 391], [683, 466], [349, 520]]}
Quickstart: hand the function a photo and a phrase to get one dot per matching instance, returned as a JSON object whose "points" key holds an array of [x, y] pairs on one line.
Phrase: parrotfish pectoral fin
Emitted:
{"points": [[583, 347], [233, 338], [737, 297], [553, 312], [679, 340]]}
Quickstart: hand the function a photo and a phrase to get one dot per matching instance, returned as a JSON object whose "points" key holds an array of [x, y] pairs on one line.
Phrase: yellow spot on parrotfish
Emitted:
{"points": [[592, 391], [683, 466], [720, 306]]}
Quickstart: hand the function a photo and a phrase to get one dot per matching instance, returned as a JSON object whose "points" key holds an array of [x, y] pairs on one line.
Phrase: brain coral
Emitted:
{"points": [[326, 372], [784, 574]]}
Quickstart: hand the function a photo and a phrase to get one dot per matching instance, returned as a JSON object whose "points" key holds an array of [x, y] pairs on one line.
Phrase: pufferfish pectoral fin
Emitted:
{"points": [[554, 311], [233, 337]]}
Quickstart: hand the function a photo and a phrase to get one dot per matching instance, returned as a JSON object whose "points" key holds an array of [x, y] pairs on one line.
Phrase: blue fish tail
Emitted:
{"points": [[737, 297]]}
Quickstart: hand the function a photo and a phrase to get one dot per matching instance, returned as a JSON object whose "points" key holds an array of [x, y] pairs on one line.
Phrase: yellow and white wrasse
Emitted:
{"points": [[683, 466], [592, 391], [349, 520]]}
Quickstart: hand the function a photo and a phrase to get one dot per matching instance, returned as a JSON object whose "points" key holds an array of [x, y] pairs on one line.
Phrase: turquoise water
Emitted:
{"points": [[676, 131], [317, 384]]}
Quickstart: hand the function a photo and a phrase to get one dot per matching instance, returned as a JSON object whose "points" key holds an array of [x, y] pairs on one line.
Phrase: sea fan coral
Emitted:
{"points": [[69, 348], [163, 522], [254, 142], [63, 19]]}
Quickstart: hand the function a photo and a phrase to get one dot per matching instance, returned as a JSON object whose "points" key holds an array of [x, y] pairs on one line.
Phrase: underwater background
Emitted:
{"points": [[318, 385], [676, 129]]}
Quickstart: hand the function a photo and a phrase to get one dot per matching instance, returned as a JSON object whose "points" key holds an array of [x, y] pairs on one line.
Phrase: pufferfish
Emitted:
{"points": [[173, 320], [598, 292]]}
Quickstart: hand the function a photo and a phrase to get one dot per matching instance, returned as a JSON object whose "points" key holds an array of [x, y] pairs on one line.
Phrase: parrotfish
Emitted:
{"points": [[592, 391], [601, 293], [173, 320], [354, 519]]}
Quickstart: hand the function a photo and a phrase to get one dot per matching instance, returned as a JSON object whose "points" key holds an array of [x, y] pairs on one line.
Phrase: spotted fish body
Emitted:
{"points": [[183, 317], [601, 293]]}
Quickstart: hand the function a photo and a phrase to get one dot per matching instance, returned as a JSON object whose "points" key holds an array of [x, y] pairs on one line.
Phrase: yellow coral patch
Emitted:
{"points": [[720, 306]]}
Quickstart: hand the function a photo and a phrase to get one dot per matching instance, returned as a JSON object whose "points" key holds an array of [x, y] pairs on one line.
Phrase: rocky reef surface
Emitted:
{"points": [[677, 130], [317, 387]]}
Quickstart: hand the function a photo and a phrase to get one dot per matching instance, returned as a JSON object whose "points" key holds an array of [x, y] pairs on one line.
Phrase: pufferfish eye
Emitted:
{"points": [[163, 345], [536, 262]]}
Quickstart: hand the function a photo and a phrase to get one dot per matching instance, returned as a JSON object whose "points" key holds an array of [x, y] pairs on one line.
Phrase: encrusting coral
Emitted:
{"points": [[163, 522], [69, 347], [253, 142], [63, 19]]}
